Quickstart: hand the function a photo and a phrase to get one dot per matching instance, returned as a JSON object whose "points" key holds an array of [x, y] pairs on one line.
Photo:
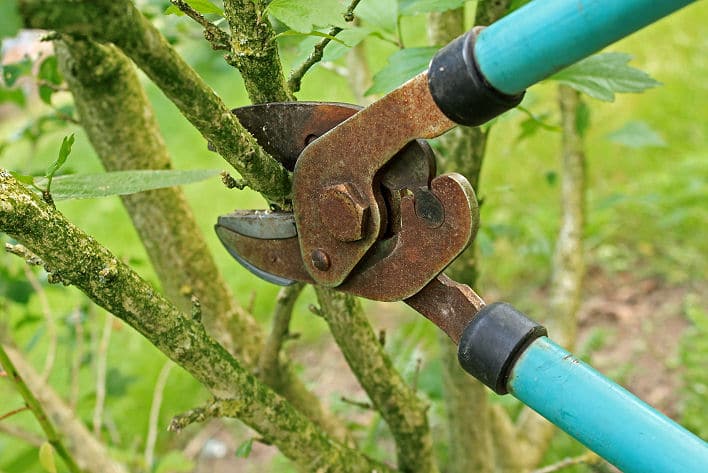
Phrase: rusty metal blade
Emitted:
{"points": [[448, 304]]}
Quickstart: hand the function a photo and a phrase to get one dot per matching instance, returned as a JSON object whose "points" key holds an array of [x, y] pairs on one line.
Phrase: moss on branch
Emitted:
{"points": [[120, 22], [403, 411], [80, 260]]}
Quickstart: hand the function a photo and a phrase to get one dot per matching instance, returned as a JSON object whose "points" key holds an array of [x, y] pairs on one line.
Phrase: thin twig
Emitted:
{"points": [[22, 434], [218, 38], [38, 411], [155, 413], [13, 412], [101, 363], [24, 253], [318, 51], [361, 404], [269, 361], [51, 323], [587, 458], [76, 358]]}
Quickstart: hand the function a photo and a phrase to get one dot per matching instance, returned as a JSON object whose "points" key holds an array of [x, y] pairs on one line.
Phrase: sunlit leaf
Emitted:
{"points": [[348, 39], [603, 75], [305, 16], [637, 134], [12, 95], [64, 152], [244, 450], [12, 72], [88, 186], [415, 7], [379, 15], [29, 180], [402, 65], [46, 457], [317, 34], [202, 6]]}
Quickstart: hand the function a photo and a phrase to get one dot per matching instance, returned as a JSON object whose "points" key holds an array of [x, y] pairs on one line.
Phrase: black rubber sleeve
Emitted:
{"points": [[492, 342], [459, 88]]}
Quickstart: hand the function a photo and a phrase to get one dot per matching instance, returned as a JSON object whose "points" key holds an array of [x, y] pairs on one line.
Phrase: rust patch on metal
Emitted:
{"points": [[354, 152], [448, 304]]}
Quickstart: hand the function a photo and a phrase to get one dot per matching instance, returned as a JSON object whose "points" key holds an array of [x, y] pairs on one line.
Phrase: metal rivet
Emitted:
{"points": [[320, 260]]}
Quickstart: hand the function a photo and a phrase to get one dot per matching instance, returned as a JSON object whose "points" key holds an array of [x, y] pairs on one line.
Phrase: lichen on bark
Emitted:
{"points": [[119, 22], [77, 259]]}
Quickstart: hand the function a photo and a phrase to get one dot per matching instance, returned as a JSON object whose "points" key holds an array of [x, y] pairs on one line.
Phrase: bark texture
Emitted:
{"points": [[72, 257], [119, 22], [403, 411]]}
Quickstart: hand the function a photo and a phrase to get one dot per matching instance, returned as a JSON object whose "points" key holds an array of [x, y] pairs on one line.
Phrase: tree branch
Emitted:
{"points": [[77, 259], [89, 453], [38, 411], [119, 22], [218, 38], [254, 51], [403, 411], [316, 55]]}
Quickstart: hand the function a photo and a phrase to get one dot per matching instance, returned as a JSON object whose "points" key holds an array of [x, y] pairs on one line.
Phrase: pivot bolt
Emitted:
{"points": [[344, 212], [320, 259]]}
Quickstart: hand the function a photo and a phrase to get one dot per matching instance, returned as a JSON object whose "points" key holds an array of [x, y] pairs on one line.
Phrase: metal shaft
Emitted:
{"points": [[546, 36], [602, 415]]}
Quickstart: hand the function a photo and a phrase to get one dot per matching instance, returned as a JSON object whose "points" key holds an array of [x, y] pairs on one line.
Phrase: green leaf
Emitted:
{"points": [[602, 75], [402, 65], [317, 34], [379, 15], [202, 6], [305, 16], [29, 180], [12, 95], [10, 21], [89, 186], [349, 38], [244, 450], [415, 7], [49, 71], [637, 134], [64, 152], [46, 457], [12, 72]]}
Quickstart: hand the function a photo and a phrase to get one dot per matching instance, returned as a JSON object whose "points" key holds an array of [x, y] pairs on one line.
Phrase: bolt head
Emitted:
{"points": [[320, 259], [344, 212]]}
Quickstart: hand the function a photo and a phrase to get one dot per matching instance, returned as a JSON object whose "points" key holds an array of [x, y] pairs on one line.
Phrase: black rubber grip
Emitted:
{"points": [[459, 88], [492, 342]]}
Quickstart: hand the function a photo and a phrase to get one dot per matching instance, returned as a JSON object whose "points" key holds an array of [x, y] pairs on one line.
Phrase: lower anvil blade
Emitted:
{"points": [[277, 261]]}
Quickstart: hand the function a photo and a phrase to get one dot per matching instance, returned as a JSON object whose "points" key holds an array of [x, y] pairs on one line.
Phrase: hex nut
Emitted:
{"points": [[344, 212]]}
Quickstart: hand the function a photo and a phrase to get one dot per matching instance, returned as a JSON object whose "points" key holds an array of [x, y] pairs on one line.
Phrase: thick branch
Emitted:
{"points": [[120, 123], [119, 22], [254, 51], [469, 415], [75, 258], [403, 411]]}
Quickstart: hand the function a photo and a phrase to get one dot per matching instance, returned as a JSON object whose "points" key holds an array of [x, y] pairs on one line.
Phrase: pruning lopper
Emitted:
{"points": [[371, 218]]}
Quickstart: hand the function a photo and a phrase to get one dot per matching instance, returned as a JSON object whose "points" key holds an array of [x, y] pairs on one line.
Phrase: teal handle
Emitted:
{"points": [[602, 415], [546, 36]]}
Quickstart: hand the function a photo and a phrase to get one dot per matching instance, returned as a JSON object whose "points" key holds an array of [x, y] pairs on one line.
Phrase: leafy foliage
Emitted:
{"points": [[10, 22], [603, 75], [244, 450], [402, 65], [637, 134], [415, 7], [88, 186], [304, 16]]}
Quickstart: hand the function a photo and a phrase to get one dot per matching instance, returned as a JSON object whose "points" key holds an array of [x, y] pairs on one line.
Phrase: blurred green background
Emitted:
{"points": [[647, 217]]}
